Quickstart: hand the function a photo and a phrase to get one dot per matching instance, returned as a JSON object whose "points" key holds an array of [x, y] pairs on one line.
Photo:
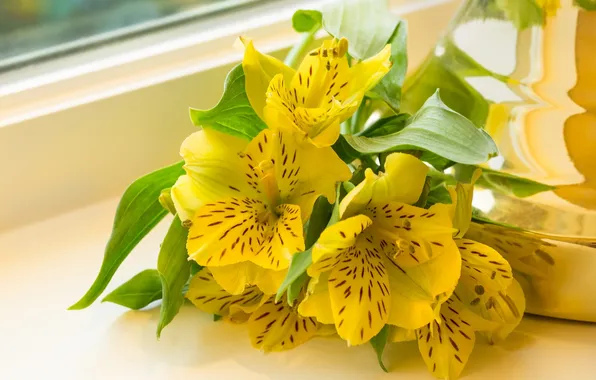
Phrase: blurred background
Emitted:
{"points": [[39, 29]]}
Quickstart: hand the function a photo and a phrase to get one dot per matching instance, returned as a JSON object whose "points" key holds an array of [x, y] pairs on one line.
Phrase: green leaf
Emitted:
{"points": [[319, 218], [138, 212], [588, 5], [502, 182], [137, 292], [378, 342], [216, 317], [367, 24], [344, 150], [438, 195], [302, 260], [233, 114], [389, 88], [306, 20], [437, 129], [174, 269], [194, 268], [386, 126], [446, 73], [523, 13]]}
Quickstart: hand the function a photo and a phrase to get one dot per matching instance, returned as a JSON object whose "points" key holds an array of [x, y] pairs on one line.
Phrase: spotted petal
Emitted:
{"points": [[282, 241], [206, 294], [277, 327], [483, 268], [227, 232], [510, 307], [412, 235], [335, 241], [446, 345], [359, 290]]}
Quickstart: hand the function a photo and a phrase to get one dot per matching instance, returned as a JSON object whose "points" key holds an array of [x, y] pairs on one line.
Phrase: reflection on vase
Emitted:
{"points": [[534, 91]]}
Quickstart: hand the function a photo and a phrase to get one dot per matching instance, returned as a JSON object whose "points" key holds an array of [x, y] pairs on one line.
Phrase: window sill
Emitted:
{"points": [[41, 339]]}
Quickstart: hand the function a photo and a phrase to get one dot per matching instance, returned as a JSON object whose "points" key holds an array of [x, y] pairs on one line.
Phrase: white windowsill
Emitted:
{"points": [[48, 265]]}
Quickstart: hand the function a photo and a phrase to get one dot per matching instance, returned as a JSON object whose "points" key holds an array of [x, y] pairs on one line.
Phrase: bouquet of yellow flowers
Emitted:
{"points": [[308, 204]]}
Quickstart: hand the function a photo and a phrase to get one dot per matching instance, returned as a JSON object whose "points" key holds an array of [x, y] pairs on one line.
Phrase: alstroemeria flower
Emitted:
{"points": [[271, 327], [385, 262], [486, 299], [246, 202], [316, 98]]}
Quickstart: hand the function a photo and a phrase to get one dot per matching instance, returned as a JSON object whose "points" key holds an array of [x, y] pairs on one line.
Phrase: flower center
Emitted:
{"points": [[269, 182]]}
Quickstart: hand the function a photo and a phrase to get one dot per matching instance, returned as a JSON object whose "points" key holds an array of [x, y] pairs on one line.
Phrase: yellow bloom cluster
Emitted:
{"points": [[385, 262]]}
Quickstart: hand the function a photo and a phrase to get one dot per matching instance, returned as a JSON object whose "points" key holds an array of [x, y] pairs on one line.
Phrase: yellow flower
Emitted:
{"points": [[315, 99], [271, 327], [386, 262], [487, 299], [246, 202]]}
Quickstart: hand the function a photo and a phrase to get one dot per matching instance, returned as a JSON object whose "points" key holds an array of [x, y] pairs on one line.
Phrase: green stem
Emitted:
{"points": [[301, 47]]}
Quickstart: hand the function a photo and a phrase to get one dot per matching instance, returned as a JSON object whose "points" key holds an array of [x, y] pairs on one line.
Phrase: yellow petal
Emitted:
{"points": [[226, 232], [259, 70], [446, 345], [335, 241], [306, 172], [359, 290], [417, 290], [213, 163], [317, 303], [236, 278], [328, 135], [359, 197], [186, 198], [402, 182], [368, 73], [284, 240], [398, 334], [483, 268], [277, 327], [461, 199], [206, 294]]}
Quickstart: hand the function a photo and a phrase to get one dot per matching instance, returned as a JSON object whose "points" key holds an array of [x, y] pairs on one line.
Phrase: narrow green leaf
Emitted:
{"points": [[367, 24], [389, 88], [437, 129], [502, 182], [588, 5], [138, 212], [300, 262], [378, 342], [319, 218], [523, 13], [386, 126], [233, 114], [174, 270], [306, 20], [137, 292]]}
